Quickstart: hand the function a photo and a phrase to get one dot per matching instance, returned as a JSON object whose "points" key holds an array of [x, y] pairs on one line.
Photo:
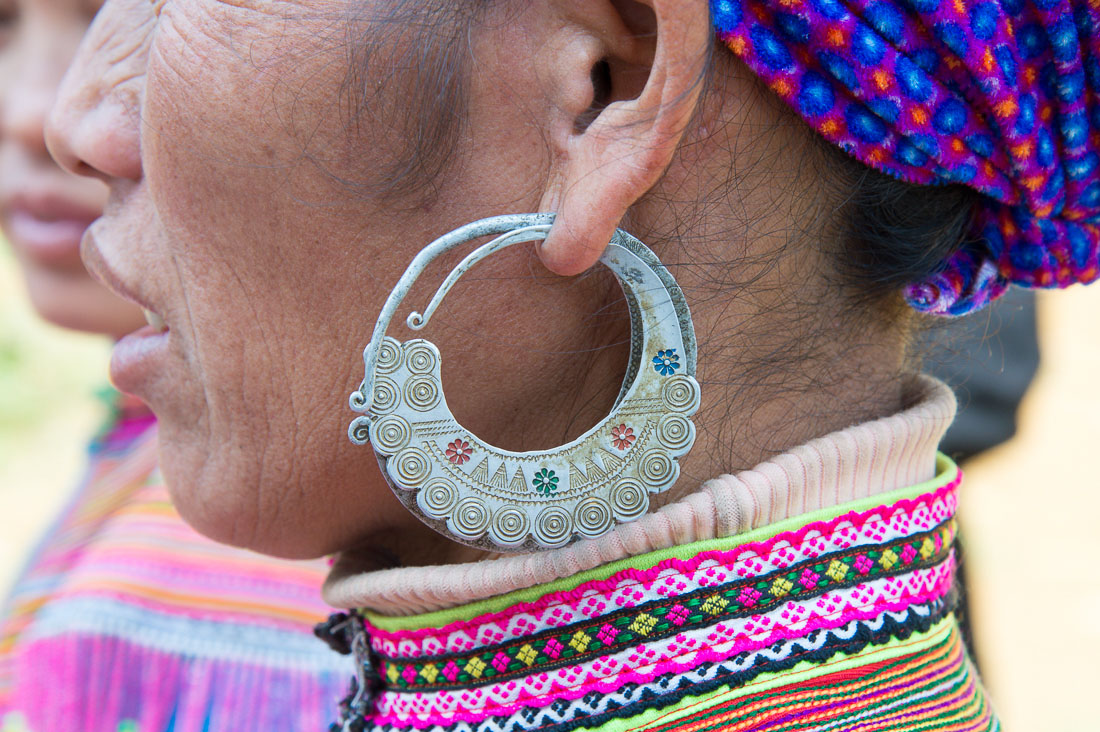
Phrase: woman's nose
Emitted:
{"points": [[94, 126]]}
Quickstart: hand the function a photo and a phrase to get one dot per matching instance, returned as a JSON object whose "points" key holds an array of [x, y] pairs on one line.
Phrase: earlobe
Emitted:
{"points": [[622, 149]]}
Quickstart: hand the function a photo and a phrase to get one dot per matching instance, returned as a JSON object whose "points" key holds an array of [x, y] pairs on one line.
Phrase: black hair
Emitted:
{"points": [[894, 233]]}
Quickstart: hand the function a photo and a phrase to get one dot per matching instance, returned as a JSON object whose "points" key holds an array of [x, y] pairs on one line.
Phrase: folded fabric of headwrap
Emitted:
{"points": [[999, 95]]}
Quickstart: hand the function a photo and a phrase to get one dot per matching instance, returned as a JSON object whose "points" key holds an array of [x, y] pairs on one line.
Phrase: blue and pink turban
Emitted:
{"points": [[999, 95]]}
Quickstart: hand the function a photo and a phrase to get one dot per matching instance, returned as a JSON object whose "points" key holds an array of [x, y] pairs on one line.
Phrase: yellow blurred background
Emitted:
{"points": [[1031, 508], [48, 410]]}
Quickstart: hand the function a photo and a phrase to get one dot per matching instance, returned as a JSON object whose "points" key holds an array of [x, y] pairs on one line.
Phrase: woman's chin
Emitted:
{"points": [[227, 503], [217, 514]]}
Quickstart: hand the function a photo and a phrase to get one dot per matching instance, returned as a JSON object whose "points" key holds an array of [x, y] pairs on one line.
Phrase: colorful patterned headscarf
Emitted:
{"points": [[1000, 95]]}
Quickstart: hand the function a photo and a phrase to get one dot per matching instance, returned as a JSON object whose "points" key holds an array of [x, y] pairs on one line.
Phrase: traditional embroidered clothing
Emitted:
{"points": [[126, 620], [815, 594]]}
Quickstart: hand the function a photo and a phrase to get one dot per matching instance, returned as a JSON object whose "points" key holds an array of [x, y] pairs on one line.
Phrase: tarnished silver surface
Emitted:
{"points": [[498, 499]]}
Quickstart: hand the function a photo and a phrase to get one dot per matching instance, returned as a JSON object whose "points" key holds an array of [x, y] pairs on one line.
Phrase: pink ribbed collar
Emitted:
{"points": [[854, 463]]}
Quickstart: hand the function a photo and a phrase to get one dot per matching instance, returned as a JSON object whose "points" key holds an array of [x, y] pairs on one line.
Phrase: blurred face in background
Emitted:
{"points": [[44, 210]]}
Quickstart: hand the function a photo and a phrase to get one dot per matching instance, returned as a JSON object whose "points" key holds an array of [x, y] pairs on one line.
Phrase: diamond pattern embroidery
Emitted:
{"points": [[429, 672], [837, 570], [643, 624], [678, 614], [580, 641], [888, 559], [795, 582], [781, 587], [476, 667], [527, 654], [715, 604]]}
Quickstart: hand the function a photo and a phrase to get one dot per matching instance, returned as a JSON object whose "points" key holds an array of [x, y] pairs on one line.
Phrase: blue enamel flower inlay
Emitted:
{"points": [[666, 362]]}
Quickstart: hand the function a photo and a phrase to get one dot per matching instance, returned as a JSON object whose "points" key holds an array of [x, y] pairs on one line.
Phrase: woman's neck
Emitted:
{"points": [[858, 462]]}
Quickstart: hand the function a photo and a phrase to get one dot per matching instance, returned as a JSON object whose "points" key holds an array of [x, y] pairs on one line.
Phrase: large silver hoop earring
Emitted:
{"points": [[496, 499]]}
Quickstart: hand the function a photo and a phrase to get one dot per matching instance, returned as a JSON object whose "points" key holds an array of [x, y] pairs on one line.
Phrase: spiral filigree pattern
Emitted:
{"points": [[675, 432], [359, 430], [419, 358], [470, 519], [681, 393], [553, 527], [389, 356], [357, 401], [437, 498], [411, 467], [629, 499], [390, 434], [385, 396], [510, 526], [593, 517], [657, 469], [422, 393]]}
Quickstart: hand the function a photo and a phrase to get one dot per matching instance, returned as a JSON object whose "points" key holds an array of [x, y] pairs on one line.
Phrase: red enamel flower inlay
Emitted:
{"points": [[622, 437], [459, 452]]}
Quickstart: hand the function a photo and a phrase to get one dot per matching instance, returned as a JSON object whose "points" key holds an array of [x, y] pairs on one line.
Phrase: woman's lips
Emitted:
{"points": [[138, 359], [48, 230]]}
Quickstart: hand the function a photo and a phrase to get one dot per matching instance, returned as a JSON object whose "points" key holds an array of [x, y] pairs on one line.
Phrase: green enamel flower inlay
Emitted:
{"points": [[546, 481]]}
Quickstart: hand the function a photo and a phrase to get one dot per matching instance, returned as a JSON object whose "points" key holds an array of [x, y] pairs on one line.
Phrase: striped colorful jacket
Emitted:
{"points": [[813, 593], [126, 620], [837, 621]]}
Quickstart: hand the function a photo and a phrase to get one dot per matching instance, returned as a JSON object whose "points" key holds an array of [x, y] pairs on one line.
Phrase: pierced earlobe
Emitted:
{"points": [[645, 91]]}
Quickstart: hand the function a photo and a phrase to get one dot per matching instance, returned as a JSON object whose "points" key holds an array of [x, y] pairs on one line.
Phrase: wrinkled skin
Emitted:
{"points": [[44, 210], [223, 131]]}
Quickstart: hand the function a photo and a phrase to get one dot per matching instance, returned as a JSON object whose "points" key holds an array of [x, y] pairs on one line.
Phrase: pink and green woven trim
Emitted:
{"points": [[673, 577], [998, 95], [641, 637]]}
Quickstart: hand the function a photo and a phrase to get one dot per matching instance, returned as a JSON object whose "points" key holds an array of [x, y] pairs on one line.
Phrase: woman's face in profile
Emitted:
{"points": [[250, 148], [43, 210]]}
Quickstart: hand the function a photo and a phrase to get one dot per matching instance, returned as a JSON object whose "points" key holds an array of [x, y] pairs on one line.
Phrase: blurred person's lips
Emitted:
{"points": [[47, 226], [137, 358]]}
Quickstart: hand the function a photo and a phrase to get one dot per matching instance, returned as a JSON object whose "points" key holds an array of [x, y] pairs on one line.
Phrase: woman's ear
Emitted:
{"points": [[646, 61]]}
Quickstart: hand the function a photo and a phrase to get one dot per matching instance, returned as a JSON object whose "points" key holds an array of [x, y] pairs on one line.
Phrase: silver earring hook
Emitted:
{"points": [[536, 226], [416, 321]]}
